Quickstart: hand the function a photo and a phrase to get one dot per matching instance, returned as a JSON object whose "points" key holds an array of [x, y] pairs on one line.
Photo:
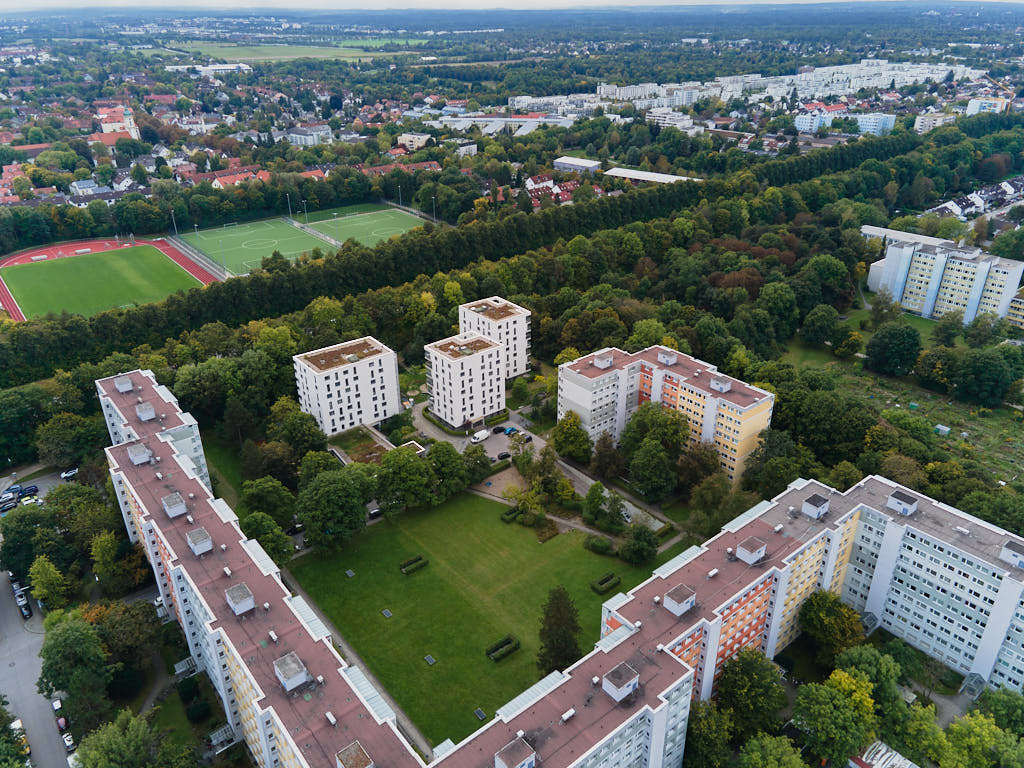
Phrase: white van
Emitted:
{"points": [[479, 437]]}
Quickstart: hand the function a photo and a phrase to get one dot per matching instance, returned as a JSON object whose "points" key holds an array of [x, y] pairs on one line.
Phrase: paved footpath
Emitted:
{"points": [[404, 722]]}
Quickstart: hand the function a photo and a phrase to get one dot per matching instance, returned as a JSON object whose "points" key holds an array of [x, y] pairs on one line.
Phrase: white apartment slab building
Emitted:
{"points": [[345, 385], [925, 123], [930, 276], [944, 581], [994, 105], [605, 389], [465, 378], [504, 322]]}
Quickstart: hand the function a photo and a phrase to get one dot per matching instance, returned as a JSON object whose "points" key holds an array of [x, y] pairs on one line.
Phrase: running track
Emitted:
{"points": [[64, 250]]}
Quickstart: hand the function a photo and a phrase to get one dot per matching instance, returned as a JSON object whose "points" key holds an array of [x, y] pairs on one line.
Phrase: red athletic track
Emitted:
{"points": [[64, 250]]}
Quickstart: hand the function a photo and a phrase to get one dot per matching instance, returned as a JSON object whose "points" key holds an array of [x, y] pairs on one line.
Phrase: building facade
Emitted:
{"points": [[875, 123], [576, 165], [606, 387], [465, 378], [348, 384], [1015, 313], [930, 276], [925, 123], [947, 583], [995, 105], [504, 322]]}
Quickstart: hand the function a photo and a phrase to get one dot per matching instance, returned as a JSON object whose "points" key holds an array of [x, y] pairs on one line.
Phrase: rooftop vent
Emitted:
{"points": [[815, 506], [290, 671], [680, 599], [568, 714], [240, 598], [139, 454], [266, 606], [620, 681], [752, 550], [123, 384], [145, 412], [227, 571], [901, 502], [516, 754], [273, 636], [173, 505], [712, 573], [331, 719], [199, 541], [778, 528], [720, 384], [190, 520], [353, 756], [961, 530]]}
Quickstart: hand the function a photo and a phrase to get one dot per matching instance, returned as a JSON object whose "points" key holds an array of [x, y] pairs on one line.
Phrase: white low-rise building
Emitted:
{"points": [[504, 322], [465, 378], [576, 165], [348, 384]]}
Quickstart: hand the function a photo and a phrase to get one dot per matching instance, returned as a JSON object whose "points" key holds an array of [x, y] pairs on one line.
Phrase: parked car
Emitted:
{"points": [[511, 431], [15, 586], [374, 513], [69, 742], [297, 528], [8, 496], [67, 474], [7, 507], [527, 438], [11, 489], [26, 610], [504, 455], [31, 500], [21, 598], [498, 430], [28, 490]]}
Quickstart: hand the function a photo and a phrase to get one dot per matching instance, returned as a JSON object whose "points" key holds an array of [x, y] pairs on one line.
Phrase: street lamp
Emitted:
{"points": [[306, 211], [174, 223], [289, 204], [399, 195], [433, 200]]}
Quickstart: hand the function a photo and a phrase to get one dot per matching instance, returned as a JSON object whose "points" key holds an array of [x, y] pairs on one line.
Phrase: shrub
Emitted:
{"points": [[198, 711], [509, 644], [412, 568], [188, 689], [606, 583], [665, 531], [509, 515], [497, 466], [598, 544], [497, 418], [406, 563], [529, 519]]}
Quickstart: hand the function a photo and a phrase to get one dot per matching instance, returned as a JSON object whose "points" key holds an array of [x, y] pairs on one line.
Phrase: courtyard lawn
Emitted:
{"points": [[367, 224], [93, 282], [485, 579], [241, 249], [223, 459]]}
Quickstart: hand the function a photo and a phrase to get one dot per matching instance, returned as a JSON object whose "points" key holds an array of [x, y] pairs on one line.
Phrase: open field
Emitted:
{"points": [[241, 248], [368, 223], [93, 282], [486, 579], [245, 53]]}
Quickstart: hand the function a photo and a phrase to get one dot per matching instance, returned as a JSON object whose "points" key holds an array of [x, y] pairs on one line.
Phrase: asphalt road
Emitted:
{"points": [[20, 642]]}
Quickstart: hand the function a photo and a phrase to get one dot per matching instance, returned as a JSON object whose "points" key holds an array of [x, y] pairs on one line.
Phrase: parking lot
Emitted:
{"points": [[495, 445]]}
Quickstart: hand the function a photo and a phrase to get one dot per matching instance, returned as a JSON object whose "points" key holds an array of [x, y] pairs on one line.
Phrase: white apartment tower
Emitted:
{"points": [[348, 384], [930, 276], [465, 378], [504, 322]]}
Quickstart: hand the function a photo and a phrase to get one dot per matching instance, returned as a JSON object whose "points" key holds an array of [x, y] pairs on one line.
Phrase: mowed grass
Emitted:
{"points": [[93, 282], [242, 248], [244, 53], [366, 227], [486, 579]]}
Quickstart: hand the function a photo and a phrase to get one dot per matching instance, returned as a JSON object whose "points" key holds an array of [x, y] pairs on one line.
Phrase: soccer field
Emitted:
{"points": [[367, 224], [240, 249], [93, 282]]}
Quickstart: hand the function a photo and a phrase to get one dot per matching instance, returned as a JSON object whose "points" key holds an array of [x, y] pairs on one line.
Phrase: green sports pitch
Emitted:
{"points": [[93, 282], [368, 223], [241, 248]]}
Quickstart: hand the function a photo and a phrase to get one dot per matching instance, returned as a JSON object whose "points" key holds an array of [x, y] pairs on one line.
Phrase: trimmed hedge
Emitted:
{"points": [[412, 564], [606, 583], [497, 418], [509, 515], [441, 425], [665, 531], [598, 545], [498, 466], [508, 645]]}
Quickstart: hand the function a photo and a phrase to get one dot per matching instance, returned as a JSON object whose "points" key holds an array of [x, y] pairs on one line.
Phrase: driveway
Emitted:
{"points": [[20, 642], [45, 482]]}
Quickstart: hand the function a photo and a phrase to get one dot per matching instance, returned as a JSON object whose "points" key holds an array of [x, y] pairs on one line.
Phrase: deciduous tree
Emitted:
{"points": [[893, 349], [571, 440], [49, 585], [764, 751], [832, 624], [749, 688], [263, 528], [708, 731]]}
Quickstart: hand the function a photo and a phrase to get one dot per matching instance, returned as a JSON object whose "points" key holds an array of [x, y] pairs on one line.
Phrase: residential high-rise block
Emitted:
{"points": [[465, 378], [504, 322], [348, 384], [606, 387]]}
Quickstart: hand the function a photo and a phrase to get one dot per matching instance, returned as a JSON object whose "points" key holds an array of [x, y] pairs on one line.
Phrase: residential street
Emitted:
{"points": [[20, 642]]}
